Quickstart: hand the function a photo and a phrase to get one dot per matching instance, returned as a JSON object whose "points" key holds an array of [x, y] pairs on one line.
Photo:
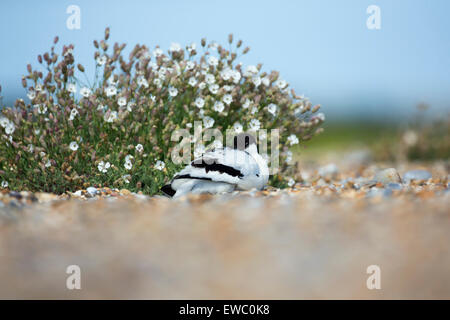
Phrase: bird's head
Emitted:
{"points": [[245, 142]]}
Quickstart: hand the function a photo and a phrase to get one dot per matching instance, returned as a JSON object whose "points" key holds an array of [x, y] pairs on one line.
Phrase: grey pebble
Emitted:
{"points": [[416, 175]]}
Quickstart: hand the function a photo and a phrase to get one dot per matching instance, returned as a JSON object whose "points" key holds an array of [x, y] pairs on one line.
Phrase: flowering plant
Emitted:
{"points": [[115, 130]]}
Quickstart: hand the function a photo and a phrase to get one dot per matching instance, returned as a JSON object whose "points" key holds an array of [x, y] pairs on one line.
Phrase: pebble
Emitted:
{"points": [[387, 176], [92, 191], [125, 192], [420, 175], [394, 186]]}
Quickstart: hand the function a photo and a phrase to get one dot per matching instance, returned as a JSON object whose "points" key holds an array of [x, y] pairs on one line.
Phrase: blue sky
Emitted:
{"points": [[321, 47]]}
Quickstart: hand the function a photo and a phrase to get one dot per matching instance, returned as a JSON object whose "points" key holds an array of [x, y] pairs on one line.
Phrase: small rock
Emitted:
{"points": [[46, 197], [125, 192], [92, 191], [15, 194], [387, 176], [394, 186], [77, 193], [420, 175]]}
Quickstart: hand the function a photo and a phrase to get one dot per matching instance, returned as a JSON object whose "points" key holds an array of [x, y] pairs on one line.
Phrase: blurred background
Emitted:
{"points": [[367, 81]]}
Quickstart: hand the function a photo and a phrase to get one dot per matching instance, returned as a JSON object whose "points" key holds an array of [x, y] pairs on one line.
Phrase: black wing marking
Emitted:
{"points": [[188, 176], [211, 165], [167, 189]]}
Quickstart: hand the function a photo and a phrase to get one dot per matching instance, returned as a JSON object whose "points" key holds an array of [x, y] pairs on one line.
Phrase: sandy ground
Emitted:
{"points": [[313, 241]]}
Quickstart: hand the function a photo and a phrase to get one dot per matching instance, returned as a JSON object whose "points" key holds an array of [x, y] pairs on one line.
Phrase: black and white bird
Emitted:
{"points": [[222, 170]]}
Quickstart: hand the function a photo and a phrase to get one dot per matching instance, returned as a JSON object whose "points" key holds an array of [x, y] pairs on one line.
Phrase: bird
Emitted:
{"points": [[222, 170]]}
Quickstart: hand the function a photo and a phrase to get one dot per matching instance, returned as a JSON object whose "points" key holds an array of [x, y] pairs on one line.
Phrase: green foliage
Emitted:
{"points": [[116, 129]]}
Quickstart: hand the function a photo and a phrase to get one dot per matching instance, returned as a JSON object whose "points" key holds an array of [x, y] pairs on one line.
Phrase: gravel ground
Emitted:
{"points": [[314, 240]]}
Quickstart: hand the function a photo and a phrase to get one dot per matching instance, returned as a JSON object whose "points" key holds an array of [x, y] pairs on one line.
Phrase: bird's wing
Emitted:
{"points": [[221, 165]]}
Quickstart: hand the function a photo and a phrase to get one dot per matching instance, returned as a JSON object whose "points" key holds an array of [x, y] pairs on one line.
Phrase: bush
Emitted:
{"points": [[115, 130]]}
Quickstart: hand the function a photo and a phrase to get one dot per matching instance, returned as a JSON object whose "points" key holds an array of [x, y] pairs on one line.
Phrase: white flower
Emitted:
{"points": [[129, 157], [157, 52], [256, 81], [111, 91], [288, 156], [226, 73], [68, 51], [190, 65], [199, 102], [101, 107], [272, 108], [292, 139], [266, 81], [111, 117], [281, 83], [218, 106], [5, 184], [214, 88], [126, 178], [191, 47], [199, 150], [228, 98], [41, 108], [71, 87], [209, 78], [85, 92], [162, 73], [113, 82], [139, 148], [31, 94], [254, 125], [247, 103], [122, 101], [130, 106], [30, 148], [73, 114], [291, 182], [103, 167], [237, 127], [208, 122], [254, 110], [228, 88], [101, 60], [48, 164], [192, 81], [160, 165], [37, 132], [175, 47], [10, 128], [73, 146], [202, 86], [320, 116], [4, 121], [250, 71], [157, 82], [213, 61], [173, 92], [128, 165], [236, 76], [141, 81], [298, 110]]}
